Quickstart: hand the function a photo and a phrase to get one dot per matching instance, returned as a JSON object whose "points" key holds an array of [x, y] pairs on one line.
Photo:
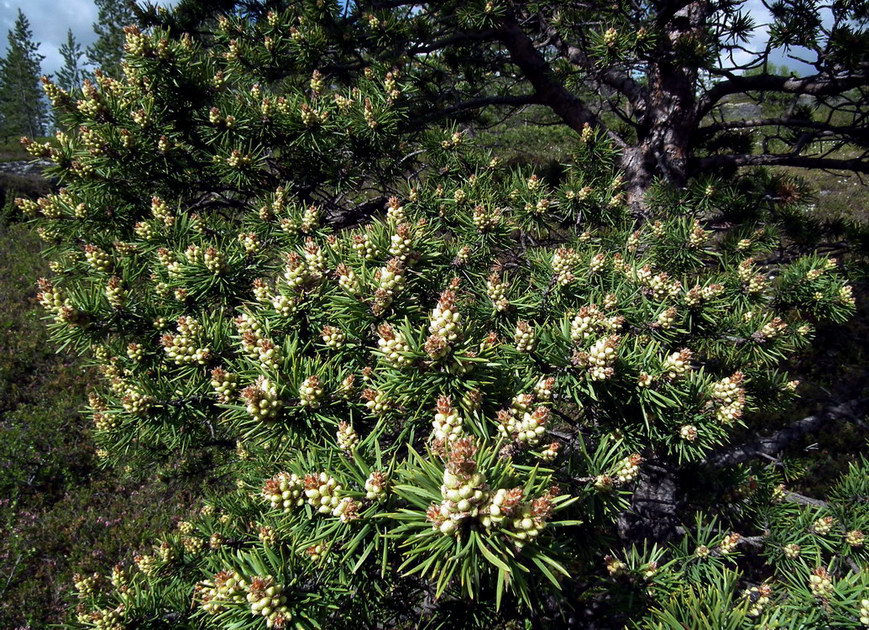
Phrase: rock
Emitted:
{"points": [[27, 168], [740, 111]]}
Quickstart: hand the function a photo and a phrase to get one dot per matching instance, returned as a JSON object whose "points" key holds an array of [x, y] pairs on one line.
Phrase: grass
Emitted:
{"points": [[12, 151]]}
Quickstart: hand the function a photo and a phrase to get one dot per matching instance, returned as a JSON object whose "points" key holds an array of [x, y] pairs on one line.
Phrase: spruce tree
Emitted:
{"points": [[106, 53], [22, 104], [71, 75]]}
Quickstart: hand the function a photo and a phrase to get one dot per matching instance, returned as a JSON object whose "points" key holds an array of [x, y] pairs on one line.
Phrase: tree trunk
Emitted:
{"points": [[670, 117]]}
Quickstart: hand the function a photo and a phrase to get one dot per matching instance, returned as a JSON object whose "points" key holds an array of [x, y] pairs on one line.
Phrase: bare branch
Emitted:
{"points": [[850, 410], [851, 132], [484, 101], [789, 159], [816, 85], [549, 90]]}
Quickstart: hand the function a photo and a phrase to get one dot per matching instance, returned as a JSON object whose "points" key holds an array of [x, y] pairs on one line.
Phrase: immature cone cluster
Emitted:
{"points": [[855, 538], [315, 259], [161, 212], [224, 383], [267, 353], [530, 519], [347, 280], [820, 583], [261, 399], [464, 489], [729, 543], [115, 293], [284, 491], [597, 263], [347, 510], [375, 486], [323, 492], [667, 318], [792, 550], [310, 218], [752, 282], [677, 363], [185, 347], [729, 398], [590, 322], [543, 388], [485, 219], [496, 290], [364, 247], [214, 261], [524, 427], [697, 294], [400, 243], [333, 337], [225, 588], [688, 432], [502, 505], [770, 330], [823, 525], [97, 258], [601, 358], [563, 261], [628, 469], [51, 298], [147, 564], [85, 585], [103, 422], [297, 273], [105, 619], [445, 325], [135, 352], [447, 424], [614, 566], [347, 437], [169, 261], [376, 402], [524, 337], [267, 599], [311, 392], [758, 597], [393, 346], [549, 453], [134, 401], [390, 281]]}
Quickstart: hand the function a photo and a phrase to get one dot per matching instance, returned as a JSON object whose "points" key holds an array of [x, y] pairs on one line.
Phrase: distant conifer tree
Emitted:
{"points": [[71, 74], [23, 109], [108, 50]]}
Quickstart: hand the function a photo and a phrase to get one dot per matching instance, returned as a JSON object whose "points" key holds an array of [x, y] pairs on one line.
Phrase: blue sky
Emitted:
{"points": [[49, 20]]}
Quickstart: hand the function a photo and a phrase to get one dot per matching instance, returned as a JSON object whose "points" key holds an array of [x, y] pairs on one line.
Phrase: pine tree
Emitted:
{"points": [[448, 392], [22, 104], [71, 75], [633, 69], [106, 53]]}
